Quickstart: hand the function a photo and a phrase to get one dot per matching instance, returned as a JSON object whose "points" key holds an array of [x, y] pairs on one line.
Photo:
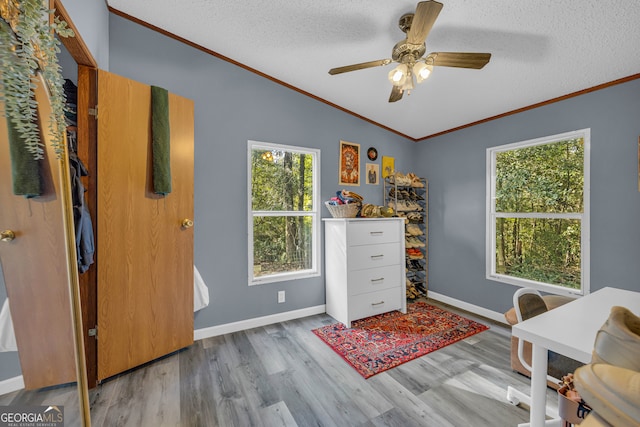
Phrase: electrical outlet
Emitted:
{"points": [[280, 297]]}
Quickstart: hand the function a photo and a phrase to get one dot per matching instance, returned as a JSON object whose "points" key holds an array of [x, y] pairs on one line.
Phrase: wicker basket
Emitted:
{"points": [[349, 210]]}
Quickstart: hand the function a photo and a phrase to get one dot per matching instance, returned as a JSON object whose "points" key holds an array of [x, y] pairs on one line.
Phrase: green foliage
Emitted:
{"points": [[544, 250], [27, 46], [282, 197], [541, 179]]}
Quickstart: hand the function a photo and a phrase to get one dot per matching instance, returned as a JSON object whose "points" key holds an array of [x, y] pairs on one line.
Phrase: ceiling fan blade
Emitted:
{"points": [[426, 14], [460, 59], [396, 94], [360, 66]]}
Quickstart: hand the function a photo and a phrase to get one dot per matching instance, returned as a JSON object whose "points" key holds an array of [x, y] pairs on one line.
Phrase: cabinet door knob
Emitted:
{"points": [[7, 235], [187, 223]]}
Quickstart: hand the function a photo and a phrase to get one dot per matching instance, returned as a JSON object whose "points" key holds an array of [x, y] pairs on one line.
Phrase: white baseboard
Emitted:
{"points": [[12, 384], [256, 322], [242, 325], [480, 311]]}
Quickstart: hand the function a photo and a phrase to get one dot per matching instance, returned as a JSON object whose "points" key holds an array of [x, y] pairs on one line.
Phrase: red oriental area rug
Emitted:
{"points": [[382, 342]]}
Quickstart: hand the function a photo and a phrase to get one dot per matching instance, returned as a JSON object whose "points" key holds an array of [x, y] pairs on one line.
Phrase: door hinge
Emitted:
{"points": [[94, 332], [94, 112]]}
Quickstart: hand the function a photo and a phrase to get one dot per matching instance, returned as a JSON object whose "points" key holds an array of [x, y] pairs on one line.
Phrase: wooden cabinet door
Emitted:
{"points": [[35, 268], [145, 256]]}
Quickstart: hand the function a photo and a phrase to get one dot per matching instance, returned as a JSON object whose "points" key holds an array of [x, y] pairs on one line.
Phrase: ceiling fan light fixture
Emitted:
{"points": [[409, 53], [422, 71], [408, 84], [398, 76]]}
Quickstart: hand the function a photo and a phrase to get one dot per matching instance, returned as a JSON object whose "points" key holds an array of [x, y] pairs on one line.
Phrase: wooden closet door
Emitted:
{"points": [[35, 268], [145, 256]]}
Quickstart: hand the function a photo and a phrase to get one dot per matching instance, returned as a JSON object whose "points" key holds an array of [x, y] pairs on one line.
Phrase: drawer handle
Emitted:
{"points": [[377, 256], [377, 303], [378, 280], [376, 233]]}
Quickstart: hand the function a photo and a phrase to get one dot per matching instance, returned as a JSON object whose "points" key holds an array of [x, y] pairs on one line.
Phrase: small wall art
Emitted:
{"points": [[388, 166], [349, 163], [373, 173]]}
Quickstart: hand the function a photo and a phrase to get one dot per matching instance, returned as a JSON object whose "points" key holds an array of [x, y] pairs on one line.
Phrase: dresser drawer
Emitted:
{"points": [[374, 279], [373, 232], [374, 303], [372, 256]]}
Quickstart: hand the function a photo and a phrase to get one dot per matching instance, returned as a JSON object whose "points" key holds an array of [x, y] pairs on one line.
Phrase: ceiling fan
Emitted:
{"points": [[409, 53]]}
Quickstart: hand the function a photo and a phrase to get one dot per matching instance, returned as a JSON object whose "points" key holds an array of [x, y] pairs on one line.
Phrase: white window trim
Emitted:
{"points": [[585, 256], [315, 214]]}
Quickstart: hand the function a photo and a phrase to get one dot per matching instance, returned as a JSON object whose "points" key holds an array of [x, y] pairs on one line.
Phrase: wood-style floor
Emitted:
{"points": [[283, 375]]}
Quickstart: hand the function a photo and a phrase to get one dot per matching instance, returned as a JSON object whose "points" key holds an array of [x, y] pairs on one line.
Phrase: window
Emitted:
{"points": [[538, 213], [284, 217]]}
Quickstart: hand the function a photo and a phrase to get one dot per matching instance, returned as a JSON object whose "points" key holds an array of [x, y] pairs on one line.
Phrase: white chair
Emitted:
{"points": [[528, 303]]}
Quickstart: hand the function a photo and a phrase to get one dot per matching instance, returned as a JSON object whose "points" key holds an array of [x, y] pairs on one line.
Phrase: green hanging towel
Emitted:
{"points": [[160, 135], [25, 170]]}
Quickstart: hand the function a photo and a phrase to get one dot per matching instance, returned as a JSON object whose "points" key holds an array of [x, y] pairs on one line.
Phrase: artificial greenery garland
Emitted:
{"points": [[28, 46]]}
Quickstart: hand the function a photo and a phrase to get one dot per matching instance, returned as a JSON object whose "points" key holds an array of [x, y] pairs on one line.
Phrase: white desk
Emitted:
{"points": [[569, 330]]}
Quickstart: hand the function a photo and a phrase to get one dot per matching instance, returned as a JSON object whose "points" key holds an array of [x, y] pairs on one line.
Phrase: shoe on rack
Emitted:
{"points": [[618, 340], [415, 196], [415, 253], [415, 216], [417, 265], [612, 392], [414, 230], [401, 179], [417, 243]]}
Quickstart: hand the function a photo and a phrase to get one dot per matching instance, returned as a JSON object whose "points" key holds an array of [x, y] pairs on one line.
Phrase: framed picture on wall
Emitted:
{"points": [[388, 166], [349, 173], [373, 173]]}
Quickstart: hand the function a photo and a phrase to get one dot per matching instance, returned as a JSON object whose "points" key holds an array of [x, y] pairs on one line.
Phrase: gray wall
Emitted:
{"points": [[233, 105], [454, 164], [91, 18]]}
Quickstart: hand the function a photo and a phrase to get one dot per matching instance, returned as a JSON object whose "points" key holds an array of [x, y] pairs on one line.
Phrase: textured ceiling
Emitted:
{"points": [[540, 50]]}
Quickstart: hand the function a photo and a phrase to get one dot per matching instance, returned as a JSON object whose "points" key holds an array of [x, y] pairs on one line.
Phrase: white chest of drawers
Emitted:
{"points": [[364, 267]]}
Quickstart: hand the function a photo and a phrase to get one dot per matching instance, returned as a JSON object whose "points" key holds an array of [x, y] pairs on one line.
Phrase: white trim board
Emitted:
{"points": [[242, 325], [11, 384], [475, 309], [227, 328]]}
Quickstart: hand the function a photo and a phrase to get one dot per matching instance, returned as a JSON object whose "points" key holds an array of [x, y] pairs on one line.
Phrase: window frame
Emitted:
{"points": [[584, 217], [314, 213]]}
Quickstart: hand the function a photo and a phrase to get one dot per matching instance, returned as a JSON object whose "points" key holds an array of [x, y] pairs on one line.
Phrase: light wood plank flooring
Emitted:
{"points": [[283, 375]]}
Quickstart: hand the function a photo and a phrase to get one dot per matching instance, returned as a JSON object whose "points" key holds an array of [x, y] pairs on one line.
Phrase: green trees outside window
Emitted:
{"points": [[283, 217], [537, 211]]}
